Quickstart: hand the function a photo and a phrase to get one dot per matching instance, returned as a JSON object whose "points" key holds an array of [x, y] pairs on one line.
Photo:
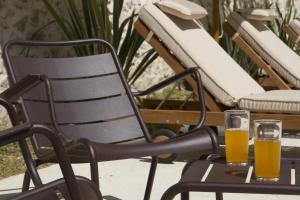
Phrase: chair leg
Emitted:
{"points": [[26, 181], [95, 172], [34, 176], [219, 196], [185, 196], [150, 178]]}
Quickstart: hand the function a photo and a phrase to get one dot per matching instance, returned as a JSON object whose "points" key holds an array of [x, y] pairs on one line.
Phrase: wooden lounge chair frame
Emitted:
{"points": [[215, 111], [292, 34], [274, 78]]}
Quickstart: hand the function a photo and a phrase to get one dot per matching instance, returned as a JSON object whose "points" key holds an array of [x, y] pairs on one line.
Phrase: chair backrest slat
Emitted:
{"points": [[115, 131], [74, 67], [80, 89], [80, 112]]}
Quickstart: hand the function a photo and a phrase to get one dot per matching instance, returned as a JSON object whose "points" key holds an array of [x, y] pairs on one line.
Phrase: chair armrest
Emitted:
{"points": [[15, 134], [22, 131], [62, 158], [22, 86], [196, 141], [194, 72]]}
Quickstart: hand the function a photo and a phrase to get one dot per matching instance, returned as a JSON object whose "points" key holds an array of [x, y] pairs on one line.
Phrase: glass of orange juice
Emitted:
{"points": [[237, 136], [267, 149]]}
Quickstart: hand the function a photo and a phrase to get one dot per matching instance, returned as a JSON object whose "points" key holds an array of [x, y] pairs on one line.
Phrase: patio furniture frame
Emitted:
{"points": [[216, 176], [215, 114], [292, 34], [274, 79], [200, 138], [68, 187]]}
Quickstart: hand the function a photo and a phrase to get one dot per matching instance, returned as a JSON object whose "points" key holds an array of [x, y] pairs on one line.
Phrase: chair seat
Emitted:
{"points": [[276, 101], [266, 43]]}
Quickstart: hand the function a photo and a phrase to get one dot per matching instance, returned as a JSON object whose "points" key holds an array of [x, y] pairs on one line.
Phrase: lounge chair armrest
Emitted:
{"points": [[196, 75], [166, 82], [22, 86]]}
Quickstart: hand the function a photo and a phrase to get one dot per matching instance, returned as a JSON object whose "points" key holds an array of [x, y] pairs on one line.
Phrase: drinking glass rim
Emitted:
{"points": [[237, 111], [267, 121]]}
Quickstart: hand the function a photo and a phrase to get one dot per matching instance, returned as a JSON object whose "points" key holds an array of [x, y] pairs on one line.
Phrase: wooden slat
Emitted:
{"points": [[73, 67], [174, 63], [216, 20], [81, 112], [79, 89], [170, 104], [258, 60], [289, 121], [292, 34]]}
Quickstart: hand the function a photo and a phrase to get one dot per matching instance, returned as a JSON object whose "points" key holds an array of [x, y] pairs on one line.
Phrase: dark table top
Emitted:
{"points": [[217, 176]]}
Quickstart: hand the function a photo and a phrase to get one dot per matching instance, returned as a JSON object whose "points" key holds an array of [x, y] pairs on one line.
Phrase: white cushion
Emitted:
{"points": [[193, 46], [276, 101], [182, 8], [281, 58], [295, 25], [258, 14]]}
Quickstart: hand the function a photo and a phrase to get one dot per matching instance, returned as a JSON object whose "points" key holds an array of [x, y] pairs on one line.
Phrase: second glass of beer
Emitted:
{"points": [[237, 136]]}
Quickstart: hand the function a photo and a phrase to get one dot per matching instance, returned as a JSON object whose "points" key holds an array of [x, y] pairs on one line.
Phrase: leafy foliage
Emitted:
{"points": [[92, 19], [283, 19]]}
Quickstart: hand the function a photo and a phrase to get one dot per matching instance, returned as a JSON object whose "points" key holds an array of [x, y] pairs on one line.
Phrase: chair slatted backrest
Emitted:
{"points": [[92, 98]]}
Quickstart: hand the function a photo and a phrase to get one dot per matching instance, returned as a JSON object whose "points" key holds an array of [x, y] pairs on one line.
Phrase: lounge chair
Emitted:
{"points": [[265, 49], [293, 31], [88, 103], [184, 44], [69, 187]]}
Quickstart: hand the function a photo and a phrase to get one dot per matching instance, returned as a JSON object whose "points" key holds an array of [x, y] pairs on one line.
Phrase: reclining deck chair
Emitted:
{"points": [[69, 187], [184, 44], [265, 49], [88, 102], [293, 31]]}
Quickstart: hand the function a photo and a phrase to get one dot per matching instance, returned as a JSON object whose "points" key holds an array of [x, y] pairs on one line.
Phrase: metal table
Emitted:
{"points": [[215, 176]]}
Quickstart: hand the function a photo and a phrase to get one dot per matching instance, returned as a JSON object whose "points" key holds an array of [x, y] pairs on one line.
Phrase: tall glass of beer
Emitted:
{"points": [[236, 136], [267, 149]]}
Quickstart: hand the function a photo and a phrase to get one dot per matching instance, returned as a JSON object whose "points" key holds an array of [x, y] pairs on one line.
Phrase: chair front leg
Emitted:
{"points": [[93, 161], [185, 196], [150, 178]]}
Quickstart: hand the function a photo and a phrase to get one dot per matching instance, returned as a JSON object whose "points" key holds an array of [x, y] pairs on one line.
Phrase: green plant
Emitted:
{"points": [[91, 19], [283, 19]]}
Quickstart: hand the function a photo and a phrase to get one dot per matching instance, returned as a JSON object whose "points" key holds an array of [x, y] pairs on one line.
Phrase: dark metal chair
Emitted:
{"points": [[88, 102], [69, 187]]}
